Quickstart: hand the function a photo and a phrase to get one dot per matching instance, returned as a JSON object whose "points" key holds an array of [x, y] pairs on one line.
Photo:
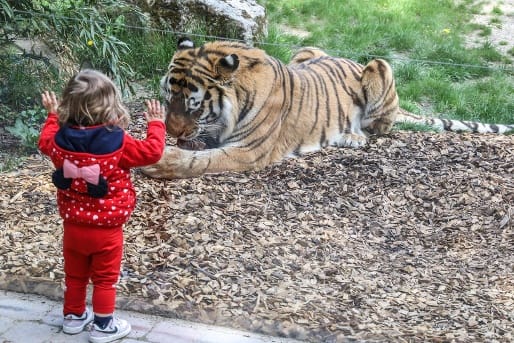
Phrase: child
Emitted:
{"points": [[92, 154]]}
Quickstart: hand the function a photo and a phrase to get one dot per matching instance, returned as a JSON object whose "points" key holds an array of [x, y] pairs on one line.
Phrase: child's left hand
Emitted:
{"points": [[50, 101], [155, 111]]}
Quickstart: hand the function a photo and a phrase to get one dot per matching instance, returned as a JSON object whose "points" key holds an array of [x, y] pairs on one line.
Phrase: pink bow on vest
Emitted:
{"points": [[90, 173]]}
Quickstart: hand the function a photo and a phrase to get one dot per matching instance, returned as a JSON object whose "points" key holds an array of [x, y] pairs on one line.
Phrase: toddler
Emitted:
{"points": [[84, 137]]}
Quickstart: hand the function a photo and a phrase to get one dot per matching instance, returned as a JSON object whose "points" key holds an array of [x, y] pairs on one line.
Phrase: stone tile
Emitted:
{"points": [[5, 323], [54, 316], [180, 332], [61, 337], [22, 308], [141, 324], [29, 331], [30, 318]]}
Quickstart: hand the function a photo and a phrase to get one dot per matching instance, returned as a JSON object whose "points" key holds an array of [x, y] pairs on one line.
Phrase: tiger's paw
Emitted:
{"points": [[168, 166], [352, 140], [190, 144], [157, 172]]}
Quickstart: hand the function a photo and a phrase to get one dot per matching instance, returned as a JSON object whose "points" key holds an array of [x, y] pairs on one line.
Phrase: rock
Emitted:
{"points": [[241, 19], [37, 50]]}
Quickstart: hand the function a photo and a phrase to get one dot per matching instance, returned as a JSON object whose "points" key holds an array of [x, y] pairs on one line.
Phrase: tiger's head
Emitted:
{"points": [[198, 94]]}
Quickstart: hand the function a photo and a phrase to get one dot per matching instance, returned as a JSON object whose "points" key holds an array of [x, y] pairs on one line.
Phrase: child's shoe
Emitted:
{"points": [[116, 329], [73, 324]]}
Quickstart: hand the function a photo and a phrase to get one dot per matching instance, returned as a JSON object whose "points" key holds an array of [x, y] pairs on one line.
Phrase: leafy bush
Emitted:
{"points": [[21, 81], [26, 127], [83, 33]]}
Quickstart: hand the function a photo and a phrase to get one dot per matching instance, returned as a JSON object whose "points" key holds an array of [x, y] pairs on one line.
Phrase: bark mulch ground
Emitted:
{"points": [[409, 239]]}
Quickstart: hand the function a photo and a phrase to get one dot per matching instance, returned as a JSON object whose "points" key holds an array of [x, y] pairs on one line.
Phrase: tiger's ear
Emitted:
{"points": [[226, 66], [185, 43]]}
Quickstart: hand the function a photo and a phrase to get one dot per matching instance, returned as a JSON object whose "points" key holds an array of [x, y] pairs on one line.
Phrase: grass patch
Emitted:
{"points": [[21, 82], [11, 161], [497, 10], [422, 39], [150, 53], [414, 127]]}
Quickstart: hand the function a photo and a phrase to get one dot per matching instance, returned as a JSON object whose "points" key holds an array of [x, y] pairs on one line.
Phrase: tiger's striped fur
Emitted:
{"points": [[241, 109], [452, 124]]}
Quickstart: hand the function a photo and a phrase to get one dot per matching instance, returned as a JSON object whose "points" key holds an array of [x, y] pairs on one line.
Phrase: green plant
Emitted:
{"points": [[280, 46], [150, 52], [26, 127], [497, 10], [415, 127], [424, 41], [81, 32], [26, 133], [92, 37], [22, 79]]}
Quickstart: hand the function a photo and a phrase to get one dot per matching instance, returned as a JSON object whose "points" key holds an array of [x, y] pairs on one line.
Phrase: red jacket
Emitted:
{"points": [[115, 151]]}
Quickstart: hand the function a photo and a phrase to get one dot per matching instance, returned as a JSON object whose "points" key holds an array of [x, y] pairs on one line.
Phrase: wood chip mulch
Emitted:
{"points": [[410, 239]]}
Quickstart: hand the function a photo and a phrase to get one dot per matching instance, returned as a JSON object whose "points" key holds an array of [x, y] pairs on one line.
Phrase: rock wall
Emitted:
{"points": [[241, 19]]}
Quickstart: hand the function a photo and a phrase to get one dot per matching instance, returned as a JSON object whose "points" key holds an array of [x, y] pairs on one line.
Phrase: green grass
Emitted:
{"points": [[497, 10], [415, 127], [149, 56], [150, 53], [407, 33], [10, 161], [21, 81]]}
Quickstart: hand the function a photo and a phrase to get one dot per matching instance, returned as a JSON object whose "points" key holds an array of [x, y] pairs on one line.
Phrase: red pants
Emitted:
{"points": [[91, 253]]}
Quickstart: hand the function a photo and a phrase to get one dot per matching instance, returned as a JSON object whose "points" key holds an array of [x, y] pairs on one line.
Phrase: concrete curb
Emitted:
{"points": [[38, 319]]}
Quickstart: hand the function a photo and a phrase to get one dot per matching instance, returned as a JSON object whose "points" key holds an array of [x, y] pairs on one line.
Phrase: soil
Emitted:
{"points": [[498, 15]]}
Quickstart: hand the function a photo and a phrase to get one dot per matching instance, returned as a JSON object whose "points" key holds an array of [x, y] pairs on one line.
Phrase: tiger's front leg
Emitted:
{"points": [[178, 163], [172, 165]]}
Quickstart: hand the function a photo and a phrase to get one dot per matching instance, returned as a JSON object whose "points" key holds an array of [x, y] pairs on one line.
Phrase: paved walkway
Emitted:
{"points": [[31, 318]]}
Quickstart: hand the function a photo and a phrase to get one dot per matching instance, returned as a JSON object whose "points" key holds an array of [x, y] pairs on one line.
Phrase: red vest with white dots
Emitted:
{"points": [[76, 206]]}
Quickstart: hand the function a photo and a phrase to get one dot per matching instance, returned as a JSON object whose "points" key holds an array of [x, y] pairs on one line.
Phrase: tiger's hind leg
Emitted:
{"points": [[306, 54], [381, 98]]}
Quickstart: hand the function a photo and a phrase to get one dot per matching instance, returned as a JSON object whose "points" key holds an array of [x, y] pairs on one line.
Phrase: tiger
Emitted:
{"points": [[233, 107]]}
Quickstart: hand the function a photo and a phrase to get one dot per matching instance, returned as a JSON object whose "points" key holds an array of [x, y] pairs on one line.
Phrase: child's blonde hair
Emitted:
{"points": [[91, 98]]}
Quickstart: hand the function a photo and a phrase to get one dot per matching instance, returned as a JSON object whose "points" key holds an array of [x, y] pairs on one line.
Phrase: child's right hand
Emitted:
{"points": [[155, 111], [50, 102]]}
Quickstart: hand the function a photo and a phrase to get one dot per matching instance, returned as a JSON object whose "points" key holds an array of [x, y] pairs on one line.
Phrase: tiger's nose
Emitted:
{"points": [[193, 104]]}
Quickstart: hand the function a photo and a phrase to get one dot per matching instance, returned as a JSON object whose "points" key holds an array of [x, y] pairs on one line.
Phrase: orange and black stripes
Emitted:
{"points": [[249, 109]]}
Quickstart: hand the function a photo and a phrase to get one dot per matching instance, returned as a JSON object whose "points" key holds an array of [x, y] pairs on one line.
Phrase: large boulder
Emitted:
{"points": [[241, 19]]}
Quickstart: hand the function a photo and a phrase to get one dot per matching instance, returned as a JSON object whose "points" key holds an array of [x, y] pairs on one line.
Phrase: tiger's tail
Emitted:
{"points": [[452, 124]]}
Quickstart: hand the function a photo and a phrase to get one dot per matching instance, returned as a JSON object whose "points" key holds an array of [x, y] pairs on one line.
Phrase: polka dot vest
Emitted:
{"points": [[77, 206]]}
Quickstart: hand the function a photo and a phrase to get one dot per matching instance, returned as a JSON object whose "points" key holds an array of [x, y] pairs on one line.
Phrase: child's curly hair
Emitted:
{"points": [[91, 98]]}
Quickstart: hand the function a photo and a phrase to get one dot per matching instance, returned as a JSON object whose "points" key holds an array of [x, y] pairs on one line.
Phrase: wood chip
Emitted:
{"points": [[408, 239]]}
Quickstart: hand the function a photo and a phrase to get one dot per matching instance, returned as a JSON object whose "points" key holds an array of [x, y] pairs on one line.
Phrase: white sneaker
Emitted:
{"points": [[73, 324], [116, 329]]}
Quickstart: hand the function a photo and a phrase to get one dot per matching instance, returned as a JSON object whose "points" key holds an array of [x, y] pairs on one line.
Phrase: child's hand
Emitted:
{"points": [[50, 101], [155, 111]]}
